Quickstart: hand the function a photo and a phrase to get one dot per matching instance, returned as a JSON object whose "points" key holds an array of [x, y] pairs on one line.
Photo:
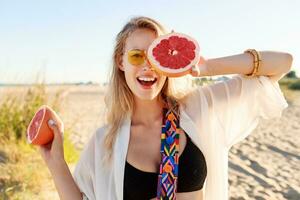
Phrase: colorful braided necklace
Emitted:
{"points": [[168, 170]]}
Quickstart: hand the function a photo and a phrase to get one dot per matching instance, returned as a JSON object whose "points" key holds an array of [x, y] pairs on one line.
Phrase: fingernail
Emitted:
{"points": [[51, 122]]}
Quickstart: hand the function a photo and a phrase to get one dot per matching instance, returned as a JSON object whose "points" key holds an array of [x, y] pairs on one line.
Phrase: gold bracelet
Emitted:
{"points": [[256, 62]]}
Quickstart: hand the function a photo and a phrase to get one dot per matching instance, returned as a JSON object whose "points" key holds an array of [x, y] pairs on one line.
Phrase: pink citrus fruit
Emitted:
{"points": [[174, 54], [38, 131]]}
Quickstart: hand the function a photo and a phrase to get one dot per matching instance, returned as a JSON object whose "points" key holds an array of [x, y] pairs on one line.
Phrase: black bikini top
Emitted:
{"points": [[192, 172]]}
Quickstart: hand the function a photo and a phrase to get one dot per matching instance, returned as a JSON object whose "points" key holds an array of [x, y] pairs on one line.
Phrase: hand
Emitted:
{"points": [[199, 69], [53, 152]]}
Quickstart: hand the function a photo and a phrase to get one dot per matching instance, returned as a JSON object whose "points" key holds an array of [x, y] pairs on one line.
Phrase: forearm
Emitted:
{"points": [[272, 64], [64, 182]]}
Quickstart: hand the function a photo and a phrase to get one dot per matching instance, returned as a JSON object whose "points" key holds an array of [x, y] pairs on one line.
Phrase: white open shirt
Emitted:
{"points": [[215, 117]]}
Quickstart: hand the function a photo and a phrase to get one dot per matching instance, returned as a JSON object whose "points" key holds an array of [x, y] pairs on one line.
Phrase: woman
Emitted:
{"points": [[122, 159]]}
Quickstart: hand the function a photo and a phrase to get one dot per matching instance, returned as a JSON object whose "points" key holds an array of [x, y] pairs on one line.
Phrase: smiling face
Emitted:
{"points": [[144, 82]]}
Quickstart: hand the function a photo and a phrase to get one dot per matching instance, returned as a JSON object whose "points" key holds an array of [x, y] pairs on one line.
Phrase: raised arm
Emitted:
{"points": [[274, 65]]}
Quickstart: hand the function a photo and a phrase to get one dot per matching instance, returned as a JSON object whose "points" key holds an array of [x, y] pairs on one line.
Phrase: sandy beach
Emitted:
{"points": [[266, 165]]}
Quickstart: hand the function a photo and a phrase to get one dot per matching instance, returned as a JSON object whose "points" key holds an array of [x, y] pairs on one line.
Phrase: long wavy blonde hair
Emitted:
{"points": [[119, 99]]}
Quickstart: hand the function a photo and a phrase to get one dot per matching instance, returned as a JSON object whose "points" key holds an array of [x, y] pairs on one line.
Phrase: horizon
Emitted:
{"points": [[61, 41]]}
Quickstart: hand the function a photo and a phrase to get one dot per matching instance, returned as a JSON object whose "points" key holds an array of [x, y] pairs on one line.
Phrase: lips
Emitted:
{"points": [[146, 82]]}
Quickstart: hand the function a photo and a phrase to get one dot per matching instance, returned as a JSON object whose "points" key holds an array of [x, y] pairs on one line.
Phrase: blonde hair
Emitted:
{"points": [[119, 99]]}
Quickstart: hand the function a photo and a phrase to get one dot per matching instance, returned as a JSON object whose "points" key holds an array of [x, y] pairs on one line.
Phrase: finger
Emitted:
{"points": [[195, 71], [201, 60], [57, 142], [57, 120], [54, 127], [47, 146]]}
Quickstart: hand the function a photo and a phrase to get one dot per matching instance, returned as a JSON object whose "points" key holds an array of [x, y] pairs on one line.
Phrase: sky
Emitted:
{"points": [[72, 41]]}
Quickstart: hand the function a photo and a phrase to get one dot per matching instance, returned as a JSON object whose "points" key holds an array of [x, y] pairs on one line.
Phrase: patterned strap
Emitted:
{"points": [[168, 171]]}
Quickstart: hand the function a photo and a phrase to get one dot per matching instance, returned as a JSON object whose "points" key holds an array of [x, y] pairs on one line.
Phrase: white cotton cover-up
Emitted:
{"points": [[215, 117]]}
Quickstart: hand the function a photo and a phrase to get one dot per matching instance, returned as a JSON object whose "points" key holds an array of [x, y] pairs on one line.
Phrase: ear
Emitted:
{"points": [[120, 63]]}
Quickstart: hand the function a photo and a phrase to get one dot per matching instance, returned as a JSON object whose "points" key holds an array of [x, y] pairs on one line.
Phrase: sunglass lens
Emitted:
{"points": [[136, 57]]}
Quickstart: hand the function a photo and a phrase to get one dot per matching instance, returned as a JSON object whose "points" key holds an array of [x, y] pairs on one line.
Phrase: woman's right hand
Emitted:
{"points": [[53, 152], [53, 155]]}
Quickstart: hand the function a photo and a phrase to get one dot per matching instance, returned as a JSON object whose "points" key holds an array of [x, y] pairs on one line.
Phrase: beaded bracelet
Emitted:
{"points": [[256, 62]]}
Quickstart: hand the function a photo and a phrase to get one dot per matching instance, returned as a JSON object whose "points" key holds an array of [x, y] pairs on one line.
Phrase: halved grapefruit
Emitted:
{"points": [[174, 54], [38, 131]]}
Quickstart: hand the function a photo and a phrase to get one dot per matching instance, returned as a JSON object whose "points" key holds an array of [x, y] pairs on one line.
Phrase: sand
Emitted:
{"points": [[266, 165]]}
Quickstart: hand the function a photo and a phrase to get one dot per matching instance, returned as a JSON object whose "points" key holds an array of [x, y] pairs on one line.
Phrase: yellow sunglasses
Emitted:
{"points": [[137, 57]]}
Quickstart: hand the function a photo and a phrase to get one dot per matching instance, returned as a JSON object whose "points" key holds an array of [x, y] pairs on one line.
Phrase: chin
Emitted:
{"points": [[145, 96]]}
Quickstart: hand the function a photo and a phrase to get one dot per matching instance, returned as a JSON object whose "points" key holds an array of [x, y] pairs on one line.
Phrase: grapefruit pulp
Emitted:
{"points": [[174, 54]]}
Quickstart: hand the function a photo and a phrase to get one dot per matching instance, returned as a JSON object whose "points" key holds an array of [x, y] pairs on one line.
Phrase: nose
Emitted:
{"points": [[147, 65]]}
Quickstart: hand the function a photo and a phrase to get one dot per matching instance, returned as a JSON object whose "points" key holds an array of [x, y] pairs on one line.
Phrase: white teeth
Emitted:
{"points": [[146, 79]]}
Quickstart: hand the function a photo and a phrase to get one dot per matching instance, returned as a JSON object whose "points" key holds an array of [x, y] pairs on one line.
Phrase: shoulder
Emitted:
{"points": [[95, 143], [194, 99], [205, 98], [193, 103], [215, 92]]}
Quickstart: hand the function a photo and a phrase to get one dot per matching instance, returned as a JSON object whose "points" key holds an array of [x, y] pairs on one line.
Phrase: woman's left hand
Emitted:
{"points": [[199, 69]]}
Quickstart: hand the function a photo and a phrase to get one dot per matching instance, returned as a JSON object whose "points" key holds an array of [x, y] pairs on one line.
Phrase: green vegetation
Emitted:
{"points": [[295, 85], [291, 74], [22, 170], [202, 81], [291, 81]]}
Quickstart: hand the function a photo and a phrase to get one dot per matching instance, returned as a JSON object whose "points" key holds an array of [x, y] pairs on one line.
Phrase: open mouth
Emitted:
{"points": [[146, 81]]}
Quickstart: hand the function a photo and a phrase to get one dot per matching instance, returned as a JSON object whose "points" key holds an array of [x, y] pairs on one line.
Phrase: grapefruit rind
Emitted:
{"points": [[47, 135], [165, 70], [28, 134]]}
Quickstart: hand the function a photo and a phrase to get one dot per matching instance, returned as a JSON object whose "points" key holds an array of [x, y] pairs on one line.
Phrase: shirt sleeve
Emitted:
{"points": [[83, 180], [239, 102], [83, 173]]}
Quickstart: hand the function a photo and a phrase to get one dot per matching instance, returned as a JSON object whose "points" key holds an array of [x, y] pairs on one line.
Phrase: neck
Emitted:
{"points": [[147, 111]]}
